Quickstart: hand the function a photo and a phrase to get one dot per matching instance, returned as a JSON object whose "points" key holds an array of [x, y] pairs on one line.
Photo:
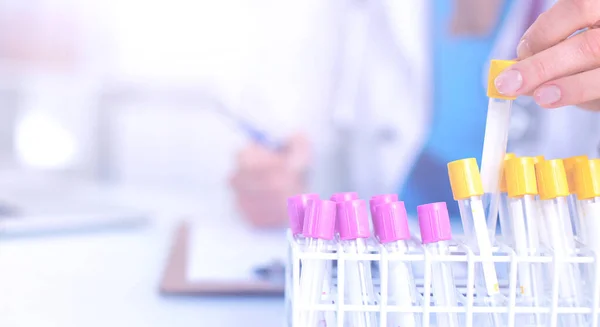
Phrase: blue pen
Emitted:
{"points": [[253, 132]]}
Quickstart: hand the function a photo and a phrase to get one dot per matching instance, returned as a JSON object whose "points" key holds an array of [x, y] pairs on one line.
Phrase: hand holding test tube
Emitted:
{"points": [[436, 231], [319, 222], [353, 222], [390, 223], [494, 143]]}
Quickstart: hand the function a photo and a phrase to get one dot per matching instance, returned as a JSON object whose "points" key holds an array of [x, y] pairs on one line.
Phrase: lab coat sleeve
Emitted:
{"points": [[394, 96]]}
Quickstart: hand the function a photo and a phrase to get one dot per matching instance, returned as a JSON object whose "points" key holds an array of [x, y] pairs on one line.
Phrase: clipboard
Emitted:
{"points": [[175, 281]]}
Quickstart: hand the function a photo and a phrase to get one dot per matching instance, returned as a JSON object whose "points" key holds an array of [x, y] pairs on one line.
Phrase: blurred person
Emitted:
{"points": [[436, 117]]}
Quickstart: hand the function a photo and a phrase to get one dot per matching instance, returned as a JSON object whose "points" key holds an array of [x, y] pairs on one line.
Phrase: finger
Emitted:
{"points": [[557, 24], [572, 90], [575, 55]]}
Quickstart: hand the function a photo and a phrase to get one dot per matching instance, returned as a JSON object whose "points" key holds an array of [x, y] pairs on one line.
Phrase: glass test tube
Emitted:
{"points": [[467, 190], [353, 222], [522, 189], [505, 224], [586, 180], [553, 190], [436, 231], [296, 207], [390, 224], [319, 224], [577, 220], [585, 175], [494, 143]]}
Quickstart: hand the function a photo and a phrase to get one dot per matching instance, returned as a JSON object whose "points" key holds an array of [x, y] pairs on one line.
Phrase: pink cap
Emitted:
{"points": [[343, 197], [379, 199], [391, 222], [434, 222], [353, 220], [296, 206], [319, 219]]}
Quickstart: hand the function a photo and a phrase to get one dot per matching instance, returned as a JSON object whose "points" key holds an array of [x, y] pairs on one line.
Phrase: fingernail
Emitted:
{"points": [[547, 95], [509, 82], [523, 49]]}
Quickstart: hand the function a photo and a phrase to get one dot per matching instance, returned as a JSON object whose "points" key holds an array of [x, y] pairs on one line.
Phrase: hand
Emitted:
{"points": [[556, 69], [264, 179]]}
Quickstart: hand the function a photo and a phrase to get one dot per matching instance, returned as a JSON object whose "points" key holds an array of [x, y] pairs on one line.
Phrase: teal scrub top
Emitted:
{"points": [[459, 111]]}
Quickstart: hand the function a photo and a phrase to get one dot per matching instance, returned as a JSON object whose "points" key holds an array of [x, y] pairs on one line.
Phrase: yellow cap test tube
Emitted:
{"points": [[522, 189], [553, 188]]}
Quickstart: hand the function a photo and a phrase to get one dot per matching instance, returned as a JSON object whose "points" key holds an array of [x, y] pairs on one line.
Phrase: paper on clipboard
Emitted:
{"points": [[232, 253]]}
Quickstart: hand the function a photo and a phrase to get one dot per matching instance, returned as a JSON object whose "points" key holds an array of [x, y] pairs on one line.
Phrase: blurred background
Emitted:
{"points": [[217, 111]]}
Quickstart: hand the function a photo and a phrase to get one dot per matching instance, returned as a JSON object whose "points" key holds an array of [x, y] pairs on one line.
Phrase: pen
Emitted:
{"points": [[391, 230], [467, 190], [319, 221], [494, 143], [250, 130], [436, 231], [353, 222], [522, 189], [553, 190]]}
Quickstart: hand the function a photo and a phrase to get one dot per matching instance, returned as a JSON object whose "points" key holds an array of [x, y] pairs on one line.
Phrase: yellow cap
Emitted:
{"points": [[520, 177], [465, 180], [551, 179], [569, 166], [503, 177], [497, 67], [537, 159], [586, 176]]}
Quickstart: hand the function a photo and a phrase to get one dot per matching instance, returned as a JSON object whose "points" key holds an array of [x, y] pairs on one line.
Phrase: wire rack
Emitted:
{"points": [[469, 308]]}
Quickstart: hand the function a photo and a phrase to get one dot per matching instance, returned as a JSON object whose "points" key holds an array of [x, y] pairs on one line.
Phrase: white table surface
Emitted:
{"points": [[111, 278]]}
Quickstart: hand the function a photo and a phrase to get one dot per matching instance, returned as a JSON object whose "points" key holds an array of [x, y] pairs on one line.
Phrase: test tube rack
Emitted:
{"points": [[468, 308]]}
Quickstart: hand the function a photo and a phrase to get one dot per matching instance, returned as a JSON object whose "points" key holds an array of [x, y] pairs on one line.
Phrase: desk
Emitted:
{"points": [[111, 278]]}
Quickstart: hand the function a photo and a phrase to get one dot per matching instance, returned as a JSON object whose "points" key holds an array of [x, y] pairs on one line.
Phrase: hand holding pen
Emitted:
{"points": [[263, 175]]}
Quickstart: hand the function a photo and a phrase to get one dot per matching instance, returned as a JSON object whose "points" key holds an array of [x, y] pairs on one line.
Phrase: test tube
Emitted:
{"points": [[553, 190], [390, 223], [319, 222], [467, 190], [586, 177], [505, 224], [543, 234], [522, 189], [436, 231], [577, 221], [296, 206], [353, 222], [494, 143]]}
